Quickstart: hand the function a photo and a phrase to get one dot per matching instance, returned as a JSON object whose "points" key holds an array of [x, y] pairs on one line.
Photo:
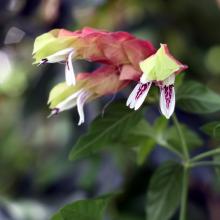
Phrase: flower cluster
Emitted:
{"points": [[123, 58]]}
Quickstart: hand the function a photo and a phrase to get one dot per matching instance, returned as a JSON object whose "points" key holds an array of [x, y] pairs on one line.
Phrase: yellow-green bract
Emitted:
{"points": [[47, 44], [159, 66]]}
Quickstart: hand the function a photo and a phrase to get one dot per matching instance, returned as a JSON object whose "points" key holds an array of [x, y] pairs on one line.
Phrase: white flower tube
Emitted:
{"points": [[65, 56]]}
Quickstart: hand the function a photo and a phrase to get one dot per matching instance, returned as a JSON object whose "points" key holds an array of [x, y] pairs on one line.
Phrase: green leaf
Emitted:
{"points": [[57, 216], [197, 98], [144, 149], [142, 143], [146, 136], [212, 129], [192, 138], [126, 216], [143, 128], [90, 209], [164, 191], [117, 122], [157, 132], [137, 136]]}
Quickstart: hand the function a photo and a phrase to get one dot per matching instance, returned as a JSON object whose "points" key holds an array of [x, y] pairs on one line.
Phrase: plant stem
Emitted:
{"points": [[185, 182], [205, 163], [183, 203], [206, 154], [182, 138]]}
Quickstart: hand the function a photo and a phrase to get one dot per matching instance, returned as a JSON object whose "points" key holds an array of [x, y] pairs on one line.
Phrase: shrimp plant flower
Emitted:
{"points": [[160, 69], [123, 58], [49, 49], [89, 86], [120, 49]]}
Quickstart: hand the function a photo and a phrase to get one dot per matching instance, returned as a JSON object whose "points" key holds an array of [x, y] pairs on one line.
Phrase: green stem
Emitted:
{"points": [[205, 163], [206, 154], [184, 194], [182, 138], [185, 182]]}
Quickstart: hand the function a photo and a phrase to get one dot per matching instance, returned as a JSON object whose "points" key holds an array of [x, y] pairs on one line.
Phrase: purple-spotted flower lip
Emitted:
{"points": [[167, 95], [138, 95], [63, 56]]}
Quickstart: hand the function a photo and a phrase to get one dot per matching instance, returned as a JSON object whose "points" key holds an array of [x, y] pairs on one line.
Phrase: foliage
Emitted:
{"points": [[36, 176], [117, 122], [83, 210], [197, 98], [164, 192], [212, 129], [168, 185]]}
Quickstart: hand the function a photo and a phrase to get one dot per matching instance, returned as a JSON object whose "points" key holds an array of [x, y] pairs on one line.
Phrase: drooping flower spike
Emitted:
{"points": [[160, 69], [120, 49], [89, 86], [128, 57]]}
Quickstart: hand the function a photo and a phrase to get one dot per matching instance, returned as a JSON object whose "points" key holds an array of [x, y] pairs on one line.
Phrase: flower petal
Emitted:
{"points": [[167, 100], [69, 71], [81, 99], [66, 104], [138, 95], [131, 99], [142, 94], [59, 56]]}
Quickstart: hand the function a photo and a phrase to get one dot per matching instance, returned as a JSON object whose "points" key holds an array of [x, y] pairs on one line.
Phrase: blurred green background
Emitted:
{"points": [[36, 177]]}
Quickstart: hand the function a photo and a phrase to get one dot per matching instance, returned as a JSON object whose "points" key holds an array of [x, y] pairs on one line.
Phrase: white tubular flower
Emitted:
{"points": [[89, 86], [76, 99], [63, 56]]}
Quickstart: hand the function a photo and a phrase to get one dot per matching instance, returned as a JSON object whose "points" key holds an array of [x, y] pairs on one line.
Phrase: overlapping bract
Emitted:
{"points": [[120, 49], [123, 58], [89, 86]]}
